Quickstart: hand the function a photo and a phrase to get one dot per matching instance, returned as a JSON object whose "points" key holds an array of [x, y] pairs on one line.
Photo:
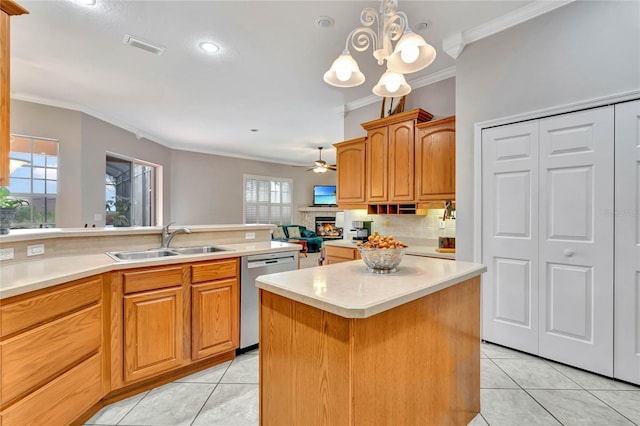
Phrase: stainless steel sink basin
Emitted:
{"points": [[141, 254], [197, 250], [162, 252]]}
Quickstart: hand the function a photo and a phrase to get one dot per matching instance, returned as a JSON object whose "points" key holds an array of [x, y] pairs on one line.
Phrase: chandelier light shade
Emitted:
{"points": [[380, 29], [344, 72], [411, 54], [391, 84]]}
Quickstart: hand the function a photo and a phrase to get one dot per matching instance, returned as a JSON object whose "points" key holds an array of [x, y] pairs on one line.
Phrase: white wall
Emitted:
{"points": [[581, 51]]}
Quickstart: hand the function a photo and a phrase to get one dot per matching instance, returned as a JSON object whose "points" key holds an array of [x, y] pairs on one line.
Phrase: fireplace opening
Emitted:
{"points": [[326, 228]]}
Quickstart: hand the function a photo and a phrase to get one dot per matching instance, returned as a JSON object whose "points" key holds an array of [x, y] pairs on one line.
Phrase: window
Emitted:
{"points": [[130, 192], [36, 181], [267, 200]]}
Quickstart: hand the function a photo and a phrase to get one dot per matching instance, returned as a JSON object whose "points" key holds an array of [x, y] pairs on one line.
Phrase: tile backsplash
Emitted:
{"points": [[406, 226]]}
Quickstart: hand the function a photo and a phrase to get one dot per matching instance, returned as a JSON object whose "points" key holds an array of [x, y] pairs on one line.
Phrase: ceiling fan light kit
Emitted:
{"points": [[321, 166], [411, 53]]}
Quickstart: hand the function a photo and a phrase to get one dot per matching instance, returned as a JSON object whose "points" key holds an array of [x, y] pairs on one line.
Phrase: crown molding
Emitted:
{"points": [[139, 134], [455, 44], [415, 84]]}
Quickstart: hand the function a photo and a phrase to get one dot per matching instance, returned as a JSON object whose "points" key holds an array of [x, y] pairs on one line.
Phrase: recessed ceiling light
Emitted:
{"points": [[85, 2], [209, 47], [324, 22], [254, 130]]}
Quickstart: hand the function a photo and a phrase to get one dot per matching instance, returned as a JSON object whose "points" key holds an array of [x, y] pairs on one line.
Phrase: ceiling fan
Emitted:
{"points": [[321, 166]]}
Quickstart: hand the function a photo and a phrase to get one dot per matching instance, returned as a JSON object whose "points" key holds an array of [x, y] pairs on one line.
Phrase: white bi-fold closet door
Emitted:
{"points": [[547, 240], [627, 243]]}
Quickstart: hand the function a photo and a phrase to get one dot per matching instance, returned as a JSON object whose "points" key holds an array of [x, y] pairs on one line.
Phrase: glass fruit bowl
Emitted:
{"points": [[382, 260]]}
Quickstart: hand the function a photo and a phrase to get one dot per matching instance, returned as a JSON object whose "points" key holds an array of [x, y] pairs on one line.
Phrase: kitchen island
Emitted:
{"points": [[340, 346]]}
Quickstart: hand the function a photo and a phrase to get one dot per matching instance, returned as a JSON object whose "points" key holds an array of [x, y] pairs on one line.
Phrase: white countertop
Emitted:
{"points": [[412, 249], [348, 290], [23, 277]]}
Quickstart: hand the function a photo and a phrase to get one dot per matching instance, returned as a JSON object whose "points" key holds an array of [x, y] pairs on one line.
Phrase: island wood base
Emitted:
{"points": [[416, 364]]}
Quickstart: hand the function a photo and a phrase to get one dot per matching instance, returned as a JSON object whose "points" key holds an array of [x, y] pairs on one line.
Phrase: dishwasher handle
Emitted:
{"points": [[266, 262]]}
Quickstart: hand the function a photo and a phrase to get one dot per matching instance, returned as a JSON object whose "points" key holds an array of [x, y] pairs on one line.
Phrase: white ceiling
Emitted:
{"points": [[267, 76]]}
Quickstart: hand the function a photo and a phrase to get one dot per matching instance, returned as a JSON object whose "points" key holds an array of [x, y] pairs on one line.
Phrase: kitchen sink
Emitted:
{"points": [[198, 250], [141, 254], [162, 252]]}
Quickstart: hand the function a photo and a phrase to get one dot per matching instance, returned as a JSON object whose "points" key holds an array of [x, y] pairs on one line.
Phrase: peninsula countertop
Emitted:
{"points": [[348, 290], [24, 277], [414, 249]]}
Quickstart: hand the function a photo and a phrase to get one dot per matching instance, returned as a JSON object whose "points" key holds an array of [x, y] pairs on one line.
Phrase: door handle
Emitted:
{"points": [[568, 252]]}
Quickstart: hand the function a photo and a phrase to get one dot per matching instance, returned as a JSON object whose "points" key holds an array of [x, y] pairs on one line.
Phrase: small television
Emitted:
{"points": [[324, 195]]}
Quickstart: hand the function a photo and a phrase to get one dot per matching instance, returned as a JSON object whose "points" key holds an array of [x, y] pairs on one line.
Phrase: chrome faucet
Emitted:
{"points": [[168, 236]]}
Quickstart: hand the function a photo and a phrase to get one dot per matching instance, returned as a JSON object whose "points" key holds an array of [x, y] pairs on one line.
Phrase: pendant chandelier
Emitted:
{"points": [[411, 53]]}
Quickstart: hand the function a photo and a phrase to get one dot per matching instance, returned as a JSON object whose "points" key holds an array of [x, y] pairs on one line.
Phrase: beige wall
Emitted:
{"points": [[208, 188], [198, 188]]}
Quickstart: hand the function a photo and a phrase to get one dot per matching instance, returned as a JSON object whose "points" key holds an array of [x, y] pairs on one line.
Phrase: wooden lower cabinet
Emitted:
{"points": [[166, 318], [214, 307], [334, 254], [153, 333], [51, 354], [214, 318]]}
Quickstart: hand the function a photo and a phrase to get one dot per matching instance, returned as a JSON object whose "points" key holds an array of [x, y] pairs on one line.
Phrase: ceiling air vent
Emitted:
{"points": [[143, 44]]}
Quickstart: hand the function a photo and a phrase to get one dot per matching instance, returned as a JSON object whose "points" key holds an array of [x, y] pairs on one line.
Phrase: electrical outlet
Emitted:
{"points": [[35, 250], [249, 235], [6, 253], [441, 224]]}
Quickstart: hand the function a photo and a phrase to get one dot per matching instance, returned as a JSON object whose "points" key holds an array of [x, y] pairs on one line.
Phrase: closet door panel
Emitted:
{"points": [[510, 236], [627, 250], [576, 239]]}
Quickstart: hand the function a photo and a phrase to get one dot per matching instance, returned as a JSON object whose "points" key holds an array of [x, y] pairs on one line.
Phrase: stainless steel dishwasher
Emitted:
{"points": [[252, 267]]}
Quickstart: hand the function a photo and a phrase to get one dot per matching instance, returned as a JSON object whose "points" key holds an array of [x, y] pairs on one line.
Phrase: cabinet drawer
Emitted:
{"points": [[210, 271], [152, 279], [61, 401], [37, 356], [25, 313], [346, 253]]}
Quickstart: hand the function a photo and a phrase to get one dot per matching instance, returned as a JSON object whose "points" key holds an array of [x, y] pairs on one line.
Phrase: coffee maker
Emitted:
{"points": [[362, 229]]}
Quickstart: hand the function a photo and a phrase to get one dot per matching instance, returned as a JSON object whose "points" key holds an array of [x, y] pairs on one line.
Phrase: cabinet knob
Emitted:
{"points": [[568, 252]]}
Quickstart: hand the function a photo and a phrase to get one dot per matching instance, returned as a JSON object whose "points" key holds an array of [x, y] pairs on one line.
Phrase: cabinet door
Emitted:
{"points": [[436, 160], [214, 318], [350, 172], [401, 162], [377, 165], [627, 243], [153, 333]]}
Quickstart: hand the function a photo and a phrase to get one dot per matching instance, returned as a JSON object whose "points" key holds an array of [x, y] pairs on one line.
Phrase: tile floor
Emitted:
{"points": [[516, 390]]}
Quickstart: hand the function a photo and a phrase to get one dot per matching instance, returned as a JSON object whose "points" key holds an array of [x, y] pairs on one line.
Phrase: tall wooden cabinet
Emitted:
{"points": [[390, 155], [405, 165], [435, 171], [350, 174], [7, 8]]}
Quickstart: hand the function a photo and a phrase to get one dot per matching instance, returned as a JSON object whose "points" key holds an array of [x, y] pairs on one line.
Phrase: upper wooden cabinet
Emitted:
{"points": [[7, 9], [436, 160], [350, 173], [390, 150]]}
